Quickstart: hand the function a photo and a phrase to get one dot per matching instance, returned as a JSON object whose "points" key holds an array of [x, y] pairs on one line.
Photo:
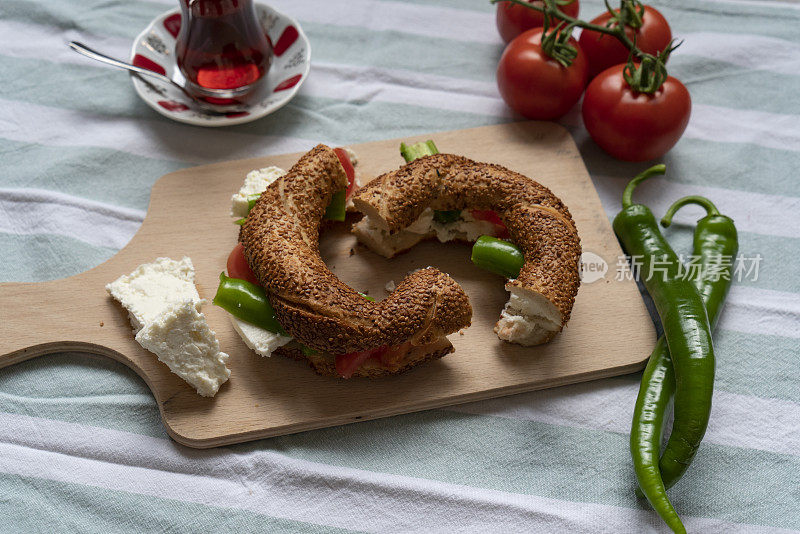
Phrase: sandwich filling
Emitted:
{"points": [[467, 225]]}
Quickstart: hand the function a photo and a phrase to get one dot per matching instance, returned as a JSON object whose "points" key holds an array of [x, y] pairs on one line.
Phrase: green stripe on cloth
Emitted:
{"points": [[443, 57], [776, 270], [96, 173], [724, 84], [100, 392], [685, 16], [333, 119], [739, 166], [100, 17], [87, 87], [550, 461], [90, 390], [751, 364], [30, 504], [39, 257], [92, 87]]}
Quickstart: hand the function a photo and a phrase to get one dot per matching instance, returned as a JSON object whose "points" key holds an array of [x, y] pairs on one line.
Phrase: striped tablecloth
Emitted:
{"points": [[81, 444]]}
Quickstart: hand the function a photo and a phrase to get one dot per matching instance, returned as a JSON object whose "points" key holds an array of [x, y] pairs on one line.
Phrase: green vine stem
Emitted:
{"points": [[556, 44], [650, 74], [644, 72], [629, 15]]}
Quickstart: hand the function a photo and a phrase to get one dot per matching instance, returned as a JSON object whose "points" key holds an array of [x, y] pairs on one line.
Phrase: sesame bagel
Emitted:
{"points": [[398, 213], [281, 245]]}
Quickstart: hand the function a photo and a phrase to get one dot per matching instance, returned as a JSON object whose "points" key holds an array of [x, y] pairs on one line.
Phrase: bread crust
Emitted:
{"points": [[326, 366], [281, 245], [538, 221]]}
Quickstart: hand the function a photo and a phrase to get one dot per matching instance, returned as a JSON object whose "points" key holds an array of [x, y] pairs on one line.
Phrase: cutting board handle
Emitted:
{"points": [[46, 317]]}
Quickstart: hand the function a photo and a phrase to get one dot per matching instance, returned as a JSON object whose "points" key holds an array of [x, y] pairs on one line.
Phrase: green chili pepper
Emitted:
{"points": [[248, 302], [688, 337], [425, 148], [446, 216], [307, 351], [497, 256], [428, 148], [251, 200], [336, 211], [337, 208], [715, 242]]}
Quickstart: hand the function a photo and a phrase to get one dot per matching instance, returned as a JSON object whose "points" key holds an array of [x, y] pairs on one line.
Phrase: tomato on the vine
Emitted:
{"points": [[635, 126], [536, 85], [604, 51], [513, 19]]}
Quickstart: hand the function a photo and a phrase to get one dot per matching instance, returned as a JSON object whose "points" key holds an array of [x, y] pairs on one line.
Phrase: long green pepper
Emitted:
{"points": [[715, 245], [688, 337]]}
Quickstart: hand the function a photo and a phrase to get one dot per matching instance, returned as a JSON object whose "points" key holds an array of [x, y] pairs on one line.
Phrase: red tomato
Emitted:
{"points": [[344, 159], [535, 85], [635, 126], [348, 364], [500, 229], [238, 267], [604, 51], [513, 19]]}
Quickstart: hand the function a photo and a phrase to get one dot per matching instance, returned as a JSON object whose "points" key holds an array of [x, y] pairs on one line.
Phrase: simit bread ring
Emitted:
{"points": [[398, 213], [281, 245]]}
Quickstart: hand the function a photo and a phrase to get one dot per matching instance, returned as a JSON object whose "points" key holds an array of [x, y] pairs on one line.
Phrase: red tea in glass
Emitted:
{"points": [[221, 49]]}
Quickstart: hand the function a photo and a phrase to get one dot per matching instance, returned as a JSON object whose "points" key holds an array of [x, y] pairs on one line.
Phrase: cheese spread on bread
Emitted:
{"points": [[255, 182], [387, 244], [164, 309]]}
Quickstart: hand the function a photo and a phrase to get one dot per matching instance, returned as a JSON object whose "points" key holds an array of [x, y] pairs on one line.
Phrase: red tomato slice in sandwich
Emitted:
{"points": [[348, 364], [491, 216], [238, 267], [349, 170]]}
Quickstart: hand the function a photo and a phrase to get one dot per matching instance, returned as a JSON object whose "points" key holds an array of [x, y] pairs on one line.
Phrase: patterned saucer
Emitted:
{"points": [[154, 49]]}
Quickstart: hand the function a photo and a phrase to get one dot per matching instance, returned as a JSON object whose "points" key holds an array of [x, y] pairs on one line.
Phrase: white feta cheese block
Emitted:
{"points": [[181, 338], [255, 182], [261, 341], [164, 310], [151, 287]]}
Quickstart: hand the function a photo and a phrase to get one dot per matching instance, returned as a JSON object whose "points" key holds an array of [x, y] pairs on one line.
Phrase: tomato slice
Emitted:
{"points": [[238, 267], [349, 170], [348, 364], [487, 215], [500, 229]]}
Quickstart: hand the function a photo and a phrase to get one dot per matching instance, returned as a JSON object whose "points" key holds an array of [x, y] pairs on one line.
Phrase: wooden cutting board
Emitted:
{"points": [[610, 332]]}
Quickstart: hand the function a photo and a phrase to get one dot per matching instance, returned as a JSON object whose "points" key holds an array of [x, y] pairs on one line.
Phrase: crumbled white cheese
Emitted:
{"points": [[528, 318], [352, 156], [164, 309], [390, 286], [153, 286], [255, 182], [466, 228], [181, 338], [261, 341]]}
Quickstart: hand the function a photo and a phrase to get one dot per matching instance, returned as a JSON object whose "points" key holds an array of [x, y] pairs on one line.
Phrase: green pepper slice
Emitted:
{"points": [[337, 208], [497, 256], [248, 302]]}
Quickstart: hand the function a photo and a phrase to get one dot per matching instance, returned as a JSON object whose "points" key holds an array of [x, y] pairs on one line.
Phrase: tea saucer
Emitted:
{"points": [[154, 49]]}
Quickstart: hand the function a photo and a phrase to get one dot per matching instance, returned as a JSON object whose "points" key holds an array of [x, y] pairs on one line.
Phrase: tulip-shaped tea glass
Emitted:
{"points": [[222, 50]]}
